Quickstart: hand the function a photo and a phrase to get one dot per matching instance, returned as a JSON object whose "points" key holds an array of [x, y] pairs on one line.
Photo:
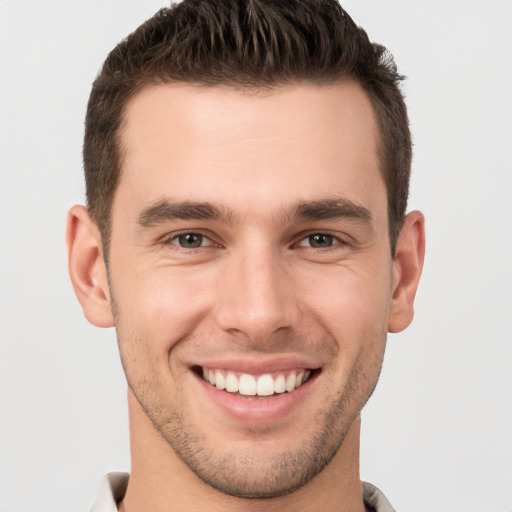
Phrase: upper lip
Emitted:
{"points": [[259, 365]]}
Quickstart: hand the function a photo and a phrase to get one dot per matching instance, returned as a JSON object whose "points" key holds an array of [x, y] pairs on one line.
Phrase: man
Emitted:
{"points": [[247, 168]]}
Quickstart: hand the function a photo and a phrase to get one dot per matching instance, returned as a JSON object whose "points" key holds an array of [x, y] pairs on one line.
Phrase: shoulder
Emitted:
{"points": [[112, 490], [375, 500]]}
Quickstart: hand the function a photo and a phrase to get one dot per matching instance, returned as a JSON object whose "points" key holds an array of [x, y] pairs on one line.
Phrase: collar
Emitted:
{"points": [[113, 488]]}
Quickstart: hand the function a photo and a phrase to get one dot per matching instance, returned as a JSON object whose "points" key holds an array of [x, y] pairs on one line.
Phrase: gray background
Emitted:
{"points": [[437, 434]]}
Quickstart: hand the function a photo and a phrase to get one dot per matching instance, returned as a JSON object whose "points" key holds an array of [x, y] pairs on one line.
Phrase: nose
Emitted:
{"points": [[257, 296]]}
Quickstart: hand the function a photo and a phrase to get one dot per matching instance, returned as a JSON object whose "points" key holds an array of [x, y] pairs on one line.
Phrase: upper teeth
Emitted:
{"points": [[263, 385]]}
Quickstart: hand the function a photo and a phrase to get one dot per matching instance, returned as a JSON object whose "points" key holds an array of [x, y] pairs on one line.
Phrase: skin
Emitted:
{"points": [[257, 291]]}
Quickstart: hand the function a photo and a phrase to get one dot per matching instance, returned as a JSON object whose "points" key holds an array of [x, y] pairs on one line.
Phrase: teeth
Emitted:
{"points": [[248, 385], [231, 383], [219, 380], [280, 384], [265, 386], [290, 382]]}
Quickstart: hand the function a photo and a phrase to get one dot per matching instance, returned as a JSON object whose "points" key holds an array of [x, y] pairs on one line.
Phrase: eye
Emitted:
{"points": [[190, 240], [319, 241]]}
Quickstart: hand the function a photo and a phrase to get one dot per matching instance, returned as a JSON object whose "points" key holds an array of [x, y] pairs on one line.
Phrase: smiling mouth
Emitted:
{"points": [[247, 385]]}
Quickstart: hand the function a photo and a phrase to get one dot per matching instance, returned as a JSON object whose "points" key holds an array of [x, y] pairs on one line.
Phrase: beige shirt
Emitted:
{"points": [[114, 486]]}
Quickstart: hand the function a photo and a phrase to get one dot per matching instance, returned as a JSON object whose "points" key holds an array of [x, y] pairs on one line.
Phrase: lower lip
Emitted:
{"points": [[254, 408]]}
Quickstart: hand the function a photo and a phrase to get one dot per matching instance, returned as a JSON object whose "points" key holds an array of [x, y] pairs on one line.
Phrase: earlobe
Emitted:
{"points": [[87, 267], [407, 267]]}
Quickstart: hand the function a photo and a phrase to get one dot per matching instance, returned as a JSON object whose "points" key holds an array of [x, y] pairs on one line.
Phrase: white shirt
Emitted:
{"points": [[114, 485]]}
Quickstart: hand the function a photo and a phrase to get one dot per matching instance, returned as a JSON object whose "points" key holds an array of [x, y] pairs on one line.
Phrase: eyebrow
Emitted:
{"points": [[330, 209], [165, 210]]}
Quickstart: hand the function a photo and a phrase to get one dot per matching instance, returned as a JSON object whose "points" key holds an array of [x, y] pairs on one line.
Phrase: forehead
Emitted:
{"points": [[250, 149]]}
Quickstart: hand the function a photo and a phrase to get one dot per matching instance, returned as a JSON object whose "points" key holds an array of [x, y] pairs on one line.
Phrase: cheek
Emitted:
{"points": [[352, 306], [158, 308], [354, 312], [349, 297]]}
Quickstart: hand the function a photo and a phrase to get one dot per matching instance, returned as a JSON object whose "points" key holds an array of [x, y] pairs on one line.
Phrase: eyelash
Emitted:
{"points": [[170, 240], [337, 241]]}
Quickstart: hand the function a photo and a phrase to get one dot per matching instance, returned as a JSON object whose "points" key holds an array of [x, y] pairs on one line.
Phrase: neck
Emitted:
{"points": [[161, 482]]}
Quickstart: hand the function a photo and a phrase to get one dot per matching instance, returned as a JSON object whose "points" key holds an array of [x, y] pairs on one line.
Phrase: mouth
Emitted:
{"points": [[256, 386]]}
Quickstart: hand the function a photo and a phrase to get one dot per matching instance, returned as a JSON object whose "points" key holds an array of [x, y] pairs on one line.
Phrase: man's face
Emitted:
{"points": [[250, 246]]}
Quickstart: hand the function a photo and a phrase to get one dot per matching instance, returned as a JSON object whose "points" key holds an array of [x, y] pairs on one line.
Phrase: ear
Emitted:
{"points": [[87, 267], [407, 267]]}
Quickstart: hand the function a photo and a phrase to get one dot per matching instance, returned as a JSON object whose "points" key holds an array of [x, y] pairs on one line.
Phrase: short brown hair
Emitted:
{"points": [[244, 44]]}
